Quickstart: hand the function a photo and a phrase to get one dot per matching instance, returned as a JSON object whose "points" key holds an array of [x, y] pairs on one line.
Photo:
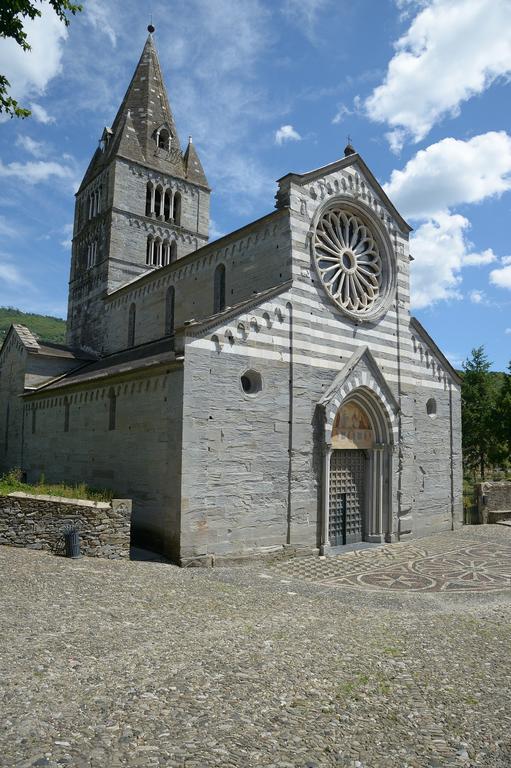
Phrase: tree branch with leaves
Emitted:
{"points": [[13, 16]]}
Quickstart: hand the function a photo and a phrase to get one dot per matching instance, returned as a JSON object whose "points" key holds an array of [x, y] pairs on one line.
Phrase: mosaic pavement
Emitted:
{"points": [[447, 565]]}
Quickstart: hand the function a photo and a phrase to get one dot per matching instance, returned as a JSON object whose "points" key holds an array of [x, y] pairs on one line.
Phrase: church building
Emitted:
{"points": [[266, 393]]}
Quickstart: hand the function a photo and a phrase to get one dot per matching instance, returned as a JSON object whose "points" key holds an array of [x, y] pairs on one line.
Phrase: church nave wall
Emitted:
{"points": [[138, 455]]}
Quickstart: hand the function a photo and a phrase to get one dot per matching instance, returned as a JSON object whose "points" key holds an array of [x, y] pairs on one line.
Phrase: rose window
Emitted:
{"points": [[348, 261]]}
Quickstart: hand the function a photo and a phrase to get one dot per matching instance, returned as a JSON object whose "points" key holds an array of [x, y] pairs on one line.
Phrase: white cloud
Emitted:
{"points": [[29, 72], [34, 172], [477, 297], [40, 114], [501, 277], [67, 231], [452, 50], [342, 112], [35, 148], [452, 172], [437, 179], [506, 260], [508, 331], [441, 250], [286, 133], [99, 16], [479, 259]]}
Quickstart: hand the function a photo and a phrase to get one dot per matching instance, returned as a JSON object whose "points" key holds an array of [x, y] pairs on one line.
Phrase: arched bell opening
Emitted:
{"points": [[357, 473]]}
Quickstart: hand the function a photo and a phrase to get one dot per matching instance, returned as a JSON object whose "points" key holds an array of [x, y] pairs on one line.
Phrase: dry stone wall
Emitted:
{"points": [[38, 522], [494, 500]]}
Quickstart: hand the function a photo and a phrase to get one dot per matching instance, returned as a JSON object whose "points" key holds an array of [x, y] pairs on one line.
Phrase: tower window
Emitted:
{"points": [[177, 208], [166, 204], [131, 325], [219, 289], [149, 252], [157, 201], [166, 254], [92, 251], [163, 139], [157, 253], [173, 251], [149, 199]]}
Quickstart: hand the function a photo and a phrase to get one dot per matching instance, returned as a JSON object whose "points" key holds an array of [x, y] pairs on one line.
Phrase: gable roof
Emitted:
{"points": [[35, 346], [142, 357], [344, 162]]}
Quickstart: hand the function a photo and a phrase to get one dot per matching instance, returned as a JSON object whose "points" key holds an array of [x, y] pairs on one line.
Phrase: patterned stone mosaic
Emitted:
{"points": [[445, 566]]}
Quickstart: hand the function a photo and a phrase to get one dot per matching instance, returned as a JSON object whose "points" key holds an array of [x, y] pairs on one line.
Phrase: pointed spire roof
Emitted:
{"points": [[145, 110], [147, 101], [193, 166]]}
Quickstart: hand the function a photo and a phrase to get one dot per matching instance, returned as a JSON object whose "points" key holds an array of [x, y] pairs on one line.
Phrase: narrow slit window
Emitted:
{"points": [[169, 311], [219, 289], [131, 325]]}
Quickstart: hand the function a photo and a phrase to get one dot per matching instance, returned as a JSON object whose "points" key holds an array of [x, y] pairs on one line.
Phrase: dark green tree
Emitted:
{"points": [[504, 418], [478, 399], [13, 14]]}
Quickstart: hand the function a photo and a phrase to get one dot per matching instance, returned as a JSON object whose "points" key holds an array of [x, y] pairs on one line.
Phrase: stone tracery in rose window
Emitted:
{"points": [[348, 261]]}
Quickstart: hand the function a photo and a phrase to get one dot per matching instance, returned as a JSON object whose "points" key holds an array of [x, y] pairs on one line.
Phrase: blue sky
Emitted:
{"points": [[423, 88]]}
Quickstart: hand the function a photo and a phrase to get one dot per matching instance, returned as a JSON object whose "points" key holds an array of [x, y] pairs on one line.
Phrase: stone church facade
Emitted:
{"points": [[266, 392]]}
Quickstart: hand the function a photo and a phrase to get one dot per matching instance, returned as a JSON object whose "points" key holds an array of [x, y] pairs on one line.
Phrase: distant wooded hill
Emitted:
{"points": [[42, 326]]}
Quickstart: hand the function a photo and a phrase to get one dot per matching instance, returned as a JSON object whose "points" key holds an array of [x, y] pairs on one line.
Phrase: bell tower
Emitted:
{"points": [[142, 204]]}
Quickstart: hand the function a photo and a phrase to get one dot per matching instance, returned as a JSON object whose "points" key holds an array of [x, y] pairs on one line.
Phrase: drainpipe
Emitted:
{"points": [[290, 423]]}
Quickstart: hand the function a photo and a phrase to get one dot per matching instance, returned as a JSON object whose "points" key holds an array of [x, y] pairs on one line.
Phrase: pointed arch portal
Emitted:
{"points": [[359, 437]]}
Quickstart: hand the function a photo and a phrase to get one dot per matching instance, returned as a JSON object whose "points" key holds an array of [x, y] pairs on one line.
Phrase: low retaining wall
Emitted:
{"points": [[494, 500], [38, 522]]}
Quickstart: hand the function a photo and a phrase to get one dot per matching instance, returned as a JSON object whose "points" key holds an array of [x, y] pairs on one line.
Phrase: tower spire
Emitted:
{"points": [[147, 100]]}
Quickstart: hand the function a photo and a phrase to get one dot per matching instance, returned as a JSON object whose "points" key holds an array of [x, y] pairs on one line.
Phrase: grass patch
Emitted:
{"points": [[12, 482]]}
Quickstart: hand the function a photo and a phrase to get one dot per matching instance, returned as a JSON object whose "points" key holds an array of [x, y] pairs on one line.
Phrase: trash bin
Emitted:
{"points": [[72, 541]]}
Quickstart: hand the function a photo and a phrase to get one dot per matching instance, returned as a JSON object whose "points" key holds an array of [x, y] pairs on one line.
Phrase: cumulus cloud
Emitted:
{"points": [[29, 72], [501, 277], [286, 133], [452, 172], [452, 50], [441, 250], [435, 181]]}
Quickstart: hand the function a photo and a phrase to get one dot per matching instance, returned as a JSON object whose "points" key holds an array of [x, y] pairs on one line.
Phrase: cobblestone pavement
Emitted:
{"points": [[303, 663]]}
